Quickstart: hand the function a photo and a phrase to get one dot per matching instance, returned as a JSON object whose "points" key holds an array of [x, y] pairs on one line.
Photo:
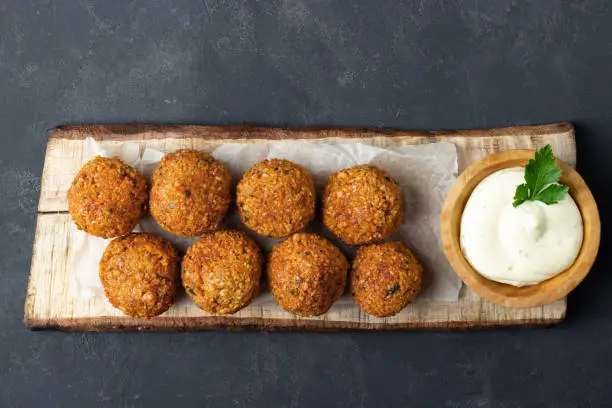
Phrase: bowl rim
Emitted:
{"points": [[502, 294]]}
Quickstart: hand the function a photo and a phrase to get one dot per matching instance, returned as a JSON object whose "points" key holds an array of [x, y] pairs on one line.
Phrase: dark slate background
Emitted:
{"points": [[376, 63]]}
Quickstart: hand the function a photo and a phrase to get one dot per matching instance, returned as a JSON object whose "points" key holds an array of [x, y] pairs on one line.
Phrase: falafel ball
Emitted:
{"points": [[385, 278], [276, 198], [140, 274], [306, 274], [107, 198], [190, 193], [221, 271], [362, 205]]}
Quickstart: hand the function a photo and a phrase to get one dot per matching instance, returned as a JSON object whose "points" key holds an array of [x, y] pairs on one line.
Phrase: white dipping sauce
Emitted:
{"points": [[518, 246]]}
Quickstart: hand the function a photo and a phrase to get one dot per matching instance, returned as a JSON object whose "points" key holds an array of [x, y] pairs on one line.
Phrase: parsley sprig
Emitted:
{"points": [[541, 180]]}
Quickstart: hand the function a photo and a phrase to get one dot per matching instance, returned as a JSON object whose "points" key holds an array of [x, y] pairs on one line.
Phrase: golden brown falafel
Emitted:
{"points": [[107, 198], [306, 274], [221, 271], [385, 278], [140, 274], [276, 198], [190, 193], [362, 204]]}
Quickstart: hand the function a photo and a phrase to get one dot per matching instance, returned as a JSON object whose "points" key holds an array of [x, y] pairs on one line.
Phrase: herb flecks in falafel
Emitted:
{"points": [[362, 205], [107, 198], [140, 274], [221, 271], [276, 198], [190, 193], [385, 278], [306, 285]]}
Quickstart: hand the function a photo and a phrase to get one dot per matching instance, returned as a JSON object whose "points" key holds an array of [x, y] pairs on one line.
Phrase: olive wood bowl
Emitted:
{"points": [[507, 295]]}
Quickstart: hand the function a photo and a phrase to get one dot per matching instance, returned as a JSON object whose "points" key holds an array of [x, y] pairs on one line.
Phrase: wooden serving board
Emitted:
{"points": [[49, 304]]}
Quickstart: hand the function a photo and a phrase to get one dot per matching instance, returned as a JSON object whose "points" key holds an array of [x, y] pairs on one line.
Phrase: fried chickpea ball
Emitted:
{"points": [[362, 204], [385, 278], [190, 193], [306, 274], [140, 274], [107, 198], [276, 198], [221, 271]]}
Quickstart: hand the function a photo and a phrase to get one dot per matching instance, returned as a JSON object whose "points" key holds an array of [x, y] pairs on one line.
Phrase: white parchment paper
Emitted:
{"points": [[425, 174]]}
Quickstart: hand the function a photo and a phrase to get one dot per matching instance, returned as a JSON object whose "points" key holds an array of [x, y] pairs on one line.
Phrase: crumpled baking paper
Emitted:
{"points": [[425, 173]]}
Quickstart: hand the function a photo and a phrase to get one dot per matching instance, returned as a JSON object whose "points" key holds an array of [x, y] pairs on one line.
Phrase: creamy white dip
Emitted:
{"points": [[518, 246]]}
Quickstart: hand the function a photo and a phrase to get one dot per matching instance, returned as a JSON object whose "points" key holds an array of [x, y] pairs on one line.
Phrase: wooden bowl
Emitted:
{"points": [[507, 295]]}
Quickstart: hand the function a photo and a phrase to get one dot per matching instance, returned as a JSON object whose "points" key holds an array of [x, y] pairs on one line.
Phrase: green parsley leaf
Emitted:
{"points": [[552, 194], [521, 195], [392, 289], [541, 180]]}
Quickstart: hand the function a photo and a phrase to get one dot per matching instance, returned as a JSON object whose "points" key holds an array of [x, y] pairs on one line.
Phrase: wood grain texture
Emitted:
{"points": [[508, 295], [49, 304]]}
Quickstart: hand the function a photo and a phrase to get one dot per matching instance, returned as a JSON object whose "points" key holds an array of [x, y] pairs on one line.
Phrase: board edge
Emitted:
{"points": [[104, 324], [120, 131], [28, 309]]}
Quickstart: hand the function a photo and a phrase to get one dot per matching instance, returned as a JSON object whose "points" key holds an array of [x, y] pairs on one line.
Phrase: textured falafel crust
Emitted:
{"points": [[190, 193], [107, 198], [221, 271], [362, 205], [140, 274], [276, 198], [306, 274], [385, 278]]}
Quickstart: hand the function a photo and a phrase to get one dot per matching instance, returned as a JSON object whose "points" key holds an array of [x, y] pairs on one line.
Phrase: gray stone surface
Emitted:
{"points": [[385, 63]]}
